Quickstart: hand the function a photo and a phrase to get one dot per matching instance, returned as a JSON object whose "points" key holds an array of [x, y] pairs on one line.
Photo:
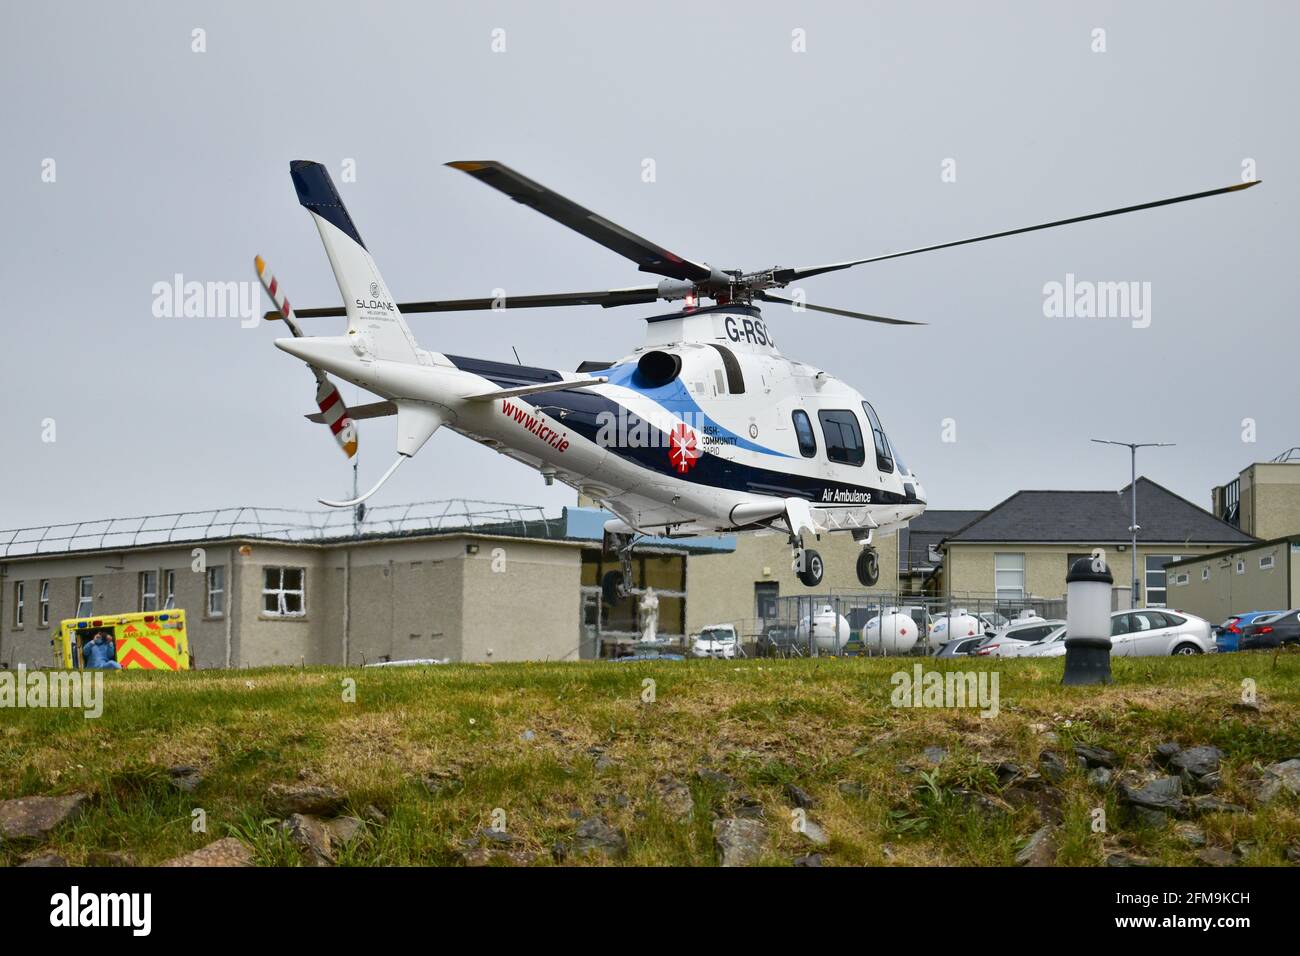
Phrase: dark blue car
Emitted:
{"points": [[1228, 634]]}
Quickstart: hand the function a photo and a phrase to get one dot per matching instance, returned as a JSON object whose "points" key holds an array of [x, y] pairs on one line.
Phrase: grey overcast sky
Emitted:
{"points": [[169, 161]]}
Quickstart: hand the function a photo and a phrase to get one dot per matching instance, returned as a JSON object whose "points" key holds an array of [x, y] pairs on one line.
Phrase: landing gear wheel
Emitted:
{"points": [[611, 587], [868, 567], [810, 575]]}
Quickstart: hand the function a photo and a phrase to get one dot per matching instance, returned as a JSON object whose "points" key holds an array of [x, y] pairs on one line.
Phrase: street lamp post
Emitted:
{"points": [[1133, 496]]}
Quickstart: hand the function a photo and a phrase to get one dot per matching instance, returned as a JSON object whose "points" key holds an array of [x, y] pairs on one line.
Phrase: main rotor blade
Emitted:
{"points": [[768, 297], [648, 256], [608, 299], [790, 275]]}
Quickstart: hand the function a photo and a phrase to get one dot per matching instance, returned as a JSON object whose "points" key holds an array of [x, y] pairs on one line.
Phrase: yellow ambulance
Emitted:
{"points": [[149, 640]]}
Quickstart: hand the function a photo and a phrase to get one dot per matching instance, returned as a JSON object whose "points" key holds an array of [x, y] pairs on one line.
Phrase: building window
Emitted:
{"points": [[85, 597], [45, 604], [884, 454], [216, 591], [765, 597], [1009, 577], [282, 592], [1155, 583], [1266, 563], [803, 431], [1181, 579], [169, 590], [19, 593], [843, 437], [148, 590], [1205, 574], [1241, 566]]}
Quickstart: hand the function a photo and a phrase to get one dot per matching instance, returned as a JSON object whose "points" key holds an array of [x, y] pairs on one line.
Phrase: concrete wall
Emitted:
{"points": [[968, 568], [1270, 499], [521, 601], [720, 587], [1227, 591]]}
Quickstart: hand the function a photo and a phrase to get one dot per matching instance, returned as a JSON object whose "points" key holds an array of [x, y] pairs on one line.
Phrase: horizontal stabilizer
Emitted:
{"points": [[373, 410], [530, 389]]}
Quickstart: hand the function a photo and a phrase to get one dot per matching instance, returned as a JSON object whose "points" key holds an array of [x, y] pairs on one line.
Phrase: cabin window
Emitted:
{"points": [[735, 380], [843, 437], [803, 431], [884, 454]]}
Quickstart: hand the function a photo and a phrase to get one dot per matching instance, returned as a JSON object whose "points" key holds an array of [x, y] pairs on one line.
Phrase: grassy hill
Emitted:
{"points": [[437, 750]]}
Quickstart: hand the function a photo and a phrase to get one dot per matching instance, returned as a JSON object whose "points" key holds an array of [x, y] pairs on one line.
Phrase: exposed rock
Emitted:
{"points": [[1045, 802], [185, 778], [1161, 793], [31, 819], [604, 762], [1097, 756], [675, 797], [1156, 819], [1190, 834], [372, 814], [1039, 850], [1197, 761], [46, 859], [1166, 752], [717, 779], [1278, 778], [344, 830], [595, 836], [528, 736], [311, 838], [888, 852], [1208, 803], [739, 842], [814, 833], [747, 806], [812, 859], [904, 769], [1293, 853], [1007, 772], [486, 836], [1205, 784], [1051, 766], [799, 797], [289, 799], [227, 851], [935, 755], [1120, 858], [1100, 778], [851, 788], [1217, 856], [109, 858]]}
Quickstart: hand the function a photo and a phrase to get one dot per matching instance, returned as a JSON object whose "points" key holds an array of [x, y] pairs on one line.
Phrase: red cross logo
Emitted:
{"points": [[682, 449]]}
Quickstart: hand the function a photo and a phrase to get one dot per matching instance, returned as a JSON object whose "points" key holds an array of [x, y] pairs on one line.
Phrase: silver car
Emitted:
{"points": [[1004, 643]]}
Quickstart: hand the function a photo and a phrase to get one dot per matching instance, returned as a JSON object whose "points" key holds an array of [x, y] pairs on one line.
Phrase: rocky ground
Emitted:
{"points": [[805, 763]]}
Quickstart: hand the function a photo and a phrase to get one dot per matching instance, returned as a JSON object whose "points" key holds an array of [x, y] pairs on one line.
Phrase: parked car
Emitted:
{"points": [[1053, 645], [1149, 632], [717, 640], [960, 647], [1026, 632], [1227, 634], [1270, 632]]}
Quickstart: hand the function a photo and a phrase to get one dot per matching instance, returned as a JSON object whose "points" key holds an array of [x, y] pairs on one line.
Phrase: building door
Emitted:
{"points": [[765, 598]]}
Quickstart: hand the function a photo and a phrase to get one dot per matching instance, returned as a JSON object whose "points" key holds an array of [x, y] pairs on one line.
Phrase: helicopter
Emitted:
{"points": [[705, 428]]}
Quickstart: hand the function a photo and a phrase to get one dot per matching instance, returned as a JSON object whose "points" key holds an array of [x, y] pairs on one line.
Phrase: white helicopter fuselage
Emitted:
{"points": [[697, 431]]}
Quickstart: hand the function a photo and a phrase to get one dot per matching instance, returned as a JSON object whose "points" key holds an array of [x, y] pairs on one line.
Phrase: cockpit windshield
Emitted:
{"points": [[884, 454]]}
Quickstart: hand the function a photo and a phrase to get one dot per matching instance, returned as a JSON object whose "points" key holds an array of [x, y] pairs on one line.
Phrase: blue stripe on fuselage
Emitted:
{"points": [[675, 399]]}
